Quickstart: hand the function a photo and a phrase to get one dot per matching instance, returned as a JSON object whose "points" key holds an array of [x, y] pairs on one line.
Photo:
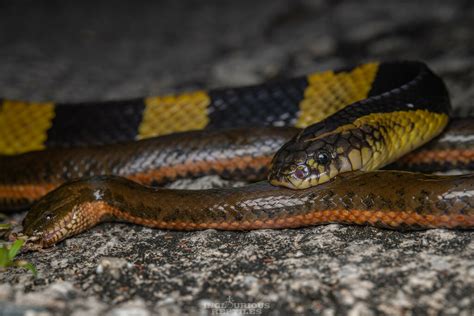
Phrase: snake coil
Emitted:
{"points": [[353, 120]]}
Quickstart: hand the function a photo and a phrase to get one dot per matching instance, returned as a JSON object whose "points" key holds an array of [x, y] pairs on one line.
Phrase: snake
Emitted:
{"points": [[320, 138]]}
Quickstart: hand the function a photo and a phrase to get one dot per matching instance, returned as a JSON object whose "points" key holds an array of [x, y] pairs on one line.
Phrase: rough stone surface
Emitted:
{"points": [[76, 51]]}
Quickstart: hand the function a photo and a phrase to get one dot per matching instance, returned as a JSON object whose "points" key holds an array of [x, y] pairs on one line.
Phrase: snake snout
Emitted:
{"points": [[67, 210], [54, 217], [293, 176], [302, 164]]}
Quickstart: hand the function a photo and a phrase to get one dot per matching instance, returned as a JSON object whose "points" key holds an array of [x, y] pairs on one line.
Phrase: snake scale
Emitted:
{"points": [[319, 137]]}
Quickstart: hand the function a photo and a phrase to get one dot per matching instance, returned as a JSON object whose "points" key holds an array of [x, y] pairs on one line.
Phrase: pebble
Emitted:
{"points": [[132, 308], [112, 266]]}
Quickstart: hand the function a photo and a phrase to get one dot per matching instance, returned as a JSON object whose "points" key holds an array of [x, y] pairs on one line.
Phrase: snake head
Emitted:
{"points": [[308, 160], [60, 214]]}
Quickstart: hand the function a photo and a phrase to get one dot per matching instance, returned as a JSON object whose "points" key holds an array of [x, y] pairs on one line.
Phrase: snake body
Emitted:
{"points": [[239, 154], [355, 119], [236, 154], [408, 109], [388, 199]]}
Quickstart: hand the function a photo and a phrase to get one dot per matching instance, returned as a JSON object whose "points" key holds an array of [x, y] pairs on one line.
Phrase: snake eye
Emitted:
{"points": [[48, 216], [323, 158]]}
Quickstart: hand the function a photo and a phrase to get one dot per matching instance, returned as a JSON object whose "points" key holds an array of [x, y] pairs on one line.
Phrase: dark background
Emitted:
{"points": [[70, 51]]}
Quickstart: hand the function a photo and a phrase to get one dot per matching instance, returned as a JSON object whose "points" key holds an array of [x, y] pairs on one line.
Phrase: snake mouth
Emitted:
{"points": [[285, 179], [294, 176], [48, 236], [32, 243], [39, 240], [290, 182]]}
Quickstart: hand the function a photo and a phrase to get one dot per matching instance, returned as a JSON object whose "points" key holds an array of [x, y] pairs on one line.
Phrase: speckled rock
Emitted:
{"points": [[75, 51]]}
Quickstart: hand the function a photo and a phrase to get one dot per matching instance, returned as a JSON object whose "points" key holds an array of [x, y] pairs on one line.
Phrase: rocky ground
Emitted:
{"points": [[76, 51]]}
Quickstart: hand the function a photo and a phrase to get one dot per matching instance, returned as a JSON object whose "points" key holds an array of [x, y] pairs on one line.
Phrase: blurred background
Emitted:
{"points": [[76, 51]]}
